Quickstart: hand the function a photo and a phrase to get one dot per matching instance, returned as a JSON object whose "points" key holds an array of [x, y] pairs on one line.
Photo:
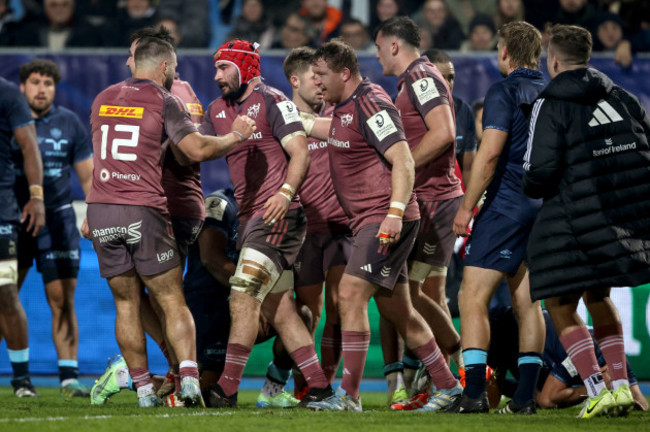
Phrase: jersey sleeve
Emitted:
{"points": [[283, 116], [220, 213], [425, 91], [380, 123], [498, 110], [81, 149], [465, 129], [207, 128], [178, 123], [17, 110]]}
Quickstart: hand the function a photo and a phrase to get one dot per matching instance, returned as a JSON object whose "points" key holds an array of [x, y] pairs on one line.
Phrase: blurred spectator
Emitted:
{"points": [[508, 11], [6, 15], [383, 10], [253, 25], [297, 31], [172, 27], [636, 16], [445, 29], [55, 29], [97, 13], [465, 10], [135, 15], [609, 32], [192, 18], [482, 34], [356, 34], [325, 18], [576, 12]]}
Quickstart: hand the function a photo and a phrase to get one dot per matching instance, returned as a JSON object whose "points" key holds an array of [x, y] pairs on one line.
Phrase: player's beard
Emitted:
{"points": [[169, 80], [231, 95]]}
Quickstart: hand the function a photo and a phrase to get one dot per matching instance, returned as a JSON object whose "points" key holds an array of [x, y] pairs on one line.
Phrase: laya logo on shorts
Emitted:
{"points": [[165, 256], [120, 111]]}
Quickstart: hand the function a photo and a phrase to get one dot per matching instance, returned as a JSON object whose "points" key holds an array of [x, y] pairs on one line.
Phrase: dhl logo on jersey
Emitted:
{"points": [[195, 108], [120, 111]]}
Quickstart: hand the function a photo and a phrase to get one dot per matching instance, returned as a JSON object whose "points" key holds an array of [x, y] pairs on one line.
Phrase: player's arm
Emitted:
{"points": [[545, 152], [197, 147], [484, 167], [440, 135], [84, 170], [278, 205], [466, 161], [34, 210], [402, 178], [212, 246], [317, 127], [640, 402], [556, 393]]}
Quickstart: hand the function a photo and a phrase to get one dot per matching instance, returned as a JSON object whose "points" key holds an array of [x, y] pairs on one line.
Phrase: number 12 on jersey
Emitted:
{"points": [[116, 143]]}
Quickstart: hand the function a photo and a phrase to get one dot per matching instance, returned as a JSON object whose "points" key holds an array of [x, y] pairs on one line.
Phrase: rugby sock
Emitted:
{"points": [[434, 361], [19, 363], [475, 363], [610, 341], [354, 346], [188, 368], [236, 359], [530, 364], [276, 379], [330, 350], [580, 348], [307, 361], [394, 373], [68, 371], [142, 381]]}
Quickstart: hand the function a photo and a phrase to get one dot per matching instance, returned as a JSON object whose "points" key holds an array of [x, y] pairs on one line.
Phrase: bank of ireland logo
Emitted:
{"points": [[56, 133], [346, 119], [253, 111], [134, 233]]}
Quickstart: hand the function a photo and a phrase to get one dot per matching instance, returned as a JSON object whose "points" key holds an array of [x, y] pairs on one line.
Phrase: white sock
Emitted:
{"points": [[595, 384], [618, 383], [122, 377], [271, 388], [145, 390]]}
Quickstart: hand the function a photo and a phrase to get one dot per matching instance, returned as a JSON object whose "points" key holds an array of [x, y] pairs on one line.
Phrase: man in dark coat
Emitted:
{"points": [[588, 157]]}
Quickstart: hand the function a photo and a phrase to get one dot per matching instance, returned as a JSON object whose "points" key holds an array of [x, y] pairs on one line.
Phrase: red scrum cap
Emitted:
{"points": [[244, 55]]}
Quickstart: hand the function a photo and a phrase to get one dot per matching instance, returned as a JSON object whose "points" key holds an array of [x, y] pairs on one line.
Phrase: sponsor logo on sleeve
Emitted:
{"points": [[195, 108], [121, 111], [289, 112], [215, 208], [381, 125], [425, 89]]}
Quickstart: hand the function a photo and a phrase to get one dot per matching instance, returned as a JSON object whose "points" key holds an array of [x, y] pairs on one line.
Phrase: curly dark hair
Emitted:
{"points": [[41, 66]]}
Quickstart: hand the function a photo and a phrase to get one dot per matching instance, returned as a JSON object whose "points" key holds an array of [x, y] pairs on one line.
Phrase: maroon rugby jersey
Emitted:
{"points": [[363, 127], [182, 184], [322, 208], [421, 89], [130, 121], [258, 166]]}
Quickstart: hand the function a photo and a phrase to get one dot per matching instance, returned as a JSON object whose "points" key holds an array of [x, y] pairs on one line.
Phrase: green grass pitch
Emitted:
{"points": [[51, 413]]}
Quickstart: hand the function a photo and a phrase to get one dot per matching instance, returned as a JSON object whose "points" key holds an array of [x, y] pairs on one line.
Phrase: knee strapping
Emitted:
{"points": [[256, 274], [9, 272]]}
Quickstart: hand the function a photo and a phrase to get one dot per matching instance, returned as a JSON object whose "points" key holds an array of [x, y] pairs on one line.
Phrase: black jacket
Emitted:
{"points": [[588, 157]]}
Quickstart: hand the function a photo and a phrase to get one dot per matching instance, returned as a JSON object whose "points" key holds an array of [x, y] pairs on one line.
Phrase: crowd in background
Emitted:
{"points": [[619, 26]]}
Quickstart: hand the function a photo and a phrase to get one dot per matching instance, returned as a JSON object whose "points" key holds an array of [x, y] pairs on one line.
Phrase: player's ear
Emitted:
{"points": [[294, 81], [345, 74]]}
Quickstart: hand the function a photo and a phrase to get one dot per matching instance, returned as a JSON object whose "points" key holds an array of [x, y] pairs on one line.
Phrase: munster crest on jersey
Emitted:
{"points": [[346, 119], [253, 111]]}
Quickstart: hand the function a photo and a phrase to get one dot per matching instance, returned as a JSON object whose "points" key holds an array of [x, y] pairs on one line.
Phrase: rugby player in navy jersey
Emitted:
{"points": [[16, 121], [499, 236], [64, 145]]}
